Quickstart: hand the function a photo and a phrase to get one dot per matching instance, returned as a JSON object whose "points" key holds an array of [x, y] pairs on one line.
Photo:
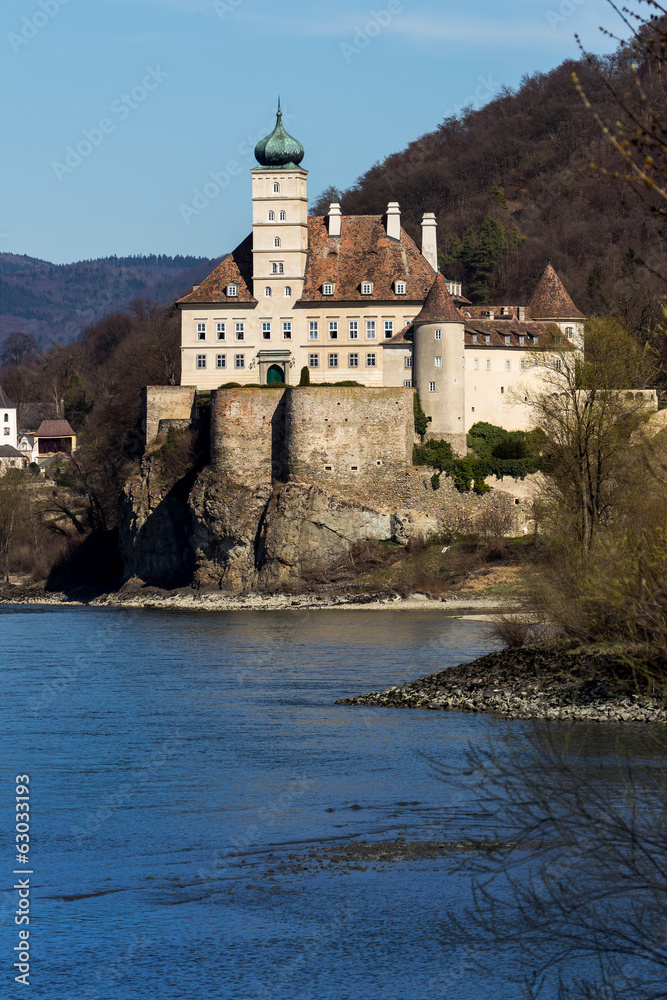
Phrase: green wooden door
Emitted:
{"points": [[275, 374]]}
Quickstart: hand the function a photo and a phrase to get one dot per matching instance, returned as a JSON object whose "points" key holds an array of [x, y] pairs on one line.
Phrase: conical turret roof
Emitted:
{"points": [[550, 300], [279, 150], [439, 306]]}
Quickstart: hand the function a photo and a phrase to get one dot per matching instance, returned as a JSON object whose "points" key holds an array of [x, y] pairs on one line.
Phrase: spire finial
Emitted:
{"points": [[280, 114]]}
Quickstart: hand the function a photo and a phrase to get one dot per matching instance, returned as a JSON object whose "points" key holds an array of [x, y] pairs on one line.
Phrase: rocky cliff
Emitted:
{"points": [[213, 531]]}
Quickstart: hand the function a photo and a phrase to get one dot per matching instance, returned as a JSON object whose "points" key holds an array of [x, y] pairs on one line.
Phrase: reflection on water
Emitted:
{"points": [[194, 788]]}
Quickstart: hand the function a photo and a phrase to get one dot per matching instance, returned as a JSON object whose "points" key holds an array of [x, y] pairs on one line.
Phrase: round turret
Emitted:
{"points": [[279, 150]]}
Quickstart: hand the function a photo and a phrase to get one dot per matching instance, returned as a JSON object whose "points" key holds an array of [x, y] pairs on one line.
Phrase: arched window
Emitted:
{"points": [[276, 188], [276, 241], [272, 216], [6, 418], [267, 292], [288, 292], [283, 216], [277, 268]]}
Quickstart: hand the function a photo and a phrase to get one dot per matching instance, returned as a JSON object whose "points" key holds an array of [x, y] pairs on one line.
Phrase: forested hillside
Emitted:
{"points": [[55, 302], [512, 186]]}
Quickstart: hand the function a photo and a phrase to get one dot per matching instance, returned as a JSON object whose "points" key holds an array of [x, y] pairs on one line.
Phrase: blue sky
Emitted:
{"points": [[115, 111]]}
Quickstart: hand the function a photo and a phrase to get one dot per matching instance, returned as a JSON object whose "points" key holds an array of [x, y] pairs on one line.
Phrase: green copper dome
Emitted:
{"points": [[280, 150]]}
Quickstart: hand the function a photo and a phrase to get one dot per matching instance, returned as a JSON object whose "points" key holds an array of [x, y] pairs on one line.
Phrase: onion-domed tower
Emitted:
{"points": [[280, 216], [437, 366]]}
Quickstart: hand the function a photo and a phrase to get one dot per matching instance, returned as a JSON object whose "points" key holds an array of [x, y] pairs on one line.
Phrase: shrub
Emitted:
{"points": [[511, 631], [435, 480], [421, 421], [305, 376]]}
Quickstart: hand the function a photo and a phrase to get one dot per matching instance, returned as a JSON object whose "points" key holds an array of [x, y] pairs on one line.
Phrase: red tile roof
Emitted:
{"points": [[363, 252], [54, 429], [550, 300], [235, 269], [439, 306]]}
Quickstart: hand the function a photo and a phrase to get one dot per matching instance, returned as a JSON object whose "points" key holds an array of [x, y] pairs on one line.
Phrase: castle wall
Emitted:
{"points": [[346, 434], [166, 402], [248, 433]]}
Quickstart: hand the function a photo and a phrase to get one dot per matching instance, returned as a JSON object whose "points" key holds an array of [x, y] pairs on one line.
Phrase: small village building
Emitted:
{"points": [[53, 437], [10, 458], [8, 436]]}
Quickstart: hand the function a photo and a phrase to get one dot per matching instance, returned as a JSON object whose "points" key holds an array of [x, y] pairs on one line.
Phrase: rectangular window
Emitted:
{"points": [[523, 365], [327, 289], [438, 362], [408, 362], [333, 330], [400, 288], [220, 361], [431, 387], [201, 331], [476, 364], [371, 360], [313, 361], [353, 360], [536, 339], [220, 330], [201, 361], [522, 339], [354, 329], [370, 329], [240, 331], [407, 383], [508, 366], [313, 330], [287, 331], [487, 338], [474, 338], [388, 328], [366, 288], [239, 360], [508, 339], [266, 331], [438, 336], [333, 361], [488, 364]]}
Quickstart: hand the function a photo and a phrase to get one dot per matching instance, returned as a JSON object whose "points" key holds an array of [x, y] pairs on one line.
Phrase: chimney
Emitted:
{"points": [[521, 311], [393, 220], [430, 239], [195, 287], [335, 219]]}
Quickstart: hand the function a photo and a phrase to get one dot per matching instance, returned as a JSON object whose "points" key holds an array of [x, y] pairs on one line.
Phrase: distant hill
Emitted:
{"points": [[512, 186], [55, 302]]}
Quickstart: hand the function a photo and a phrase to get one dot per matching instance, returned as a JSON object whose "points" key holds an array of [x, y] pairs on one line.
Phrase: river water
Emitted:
{"points": [[197, 799]]}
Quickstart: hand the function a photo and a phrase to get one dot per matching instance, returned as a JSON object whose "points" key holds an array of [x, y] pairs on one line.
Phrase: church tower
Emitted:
{"points": [[438, 366], [280, 216]]}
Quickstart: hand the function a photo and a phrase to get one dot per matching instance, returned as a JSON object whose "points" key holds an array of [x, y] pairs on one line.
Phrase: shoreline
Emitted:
{"points": [[533, 682], [183, 600]]}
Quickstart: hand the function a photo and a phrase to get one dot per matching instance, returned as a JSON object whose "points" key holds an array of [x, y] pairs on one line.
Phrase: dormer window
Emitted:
{"points": [[536, 339], [283, 216], [232, 291], [276, 188], [272, 216], [366, 287], [328, 288], [522, 339], [474, 338], [399, 287]]}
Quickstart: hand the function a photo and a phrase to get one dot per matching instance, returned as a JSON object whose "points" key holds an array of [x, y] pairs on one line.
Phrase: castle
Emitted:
{"points": [[352, 298]]}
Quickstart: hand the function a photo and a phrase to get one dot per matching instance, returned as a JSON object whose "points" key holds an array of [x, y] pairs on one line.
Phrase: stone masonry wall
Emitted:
{"points": [[166, 402], [248, 434], [340, 435]]}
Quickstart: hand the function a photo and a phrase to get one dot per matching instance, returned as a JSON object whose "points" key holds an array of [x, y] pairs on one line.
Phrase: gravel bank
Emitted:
{"points": [[551, 683]]}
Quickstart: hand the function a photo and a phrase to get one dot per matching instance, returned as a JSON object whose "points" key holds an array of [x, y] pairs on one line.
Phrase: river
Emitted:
{"points": [[197, 799]]}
